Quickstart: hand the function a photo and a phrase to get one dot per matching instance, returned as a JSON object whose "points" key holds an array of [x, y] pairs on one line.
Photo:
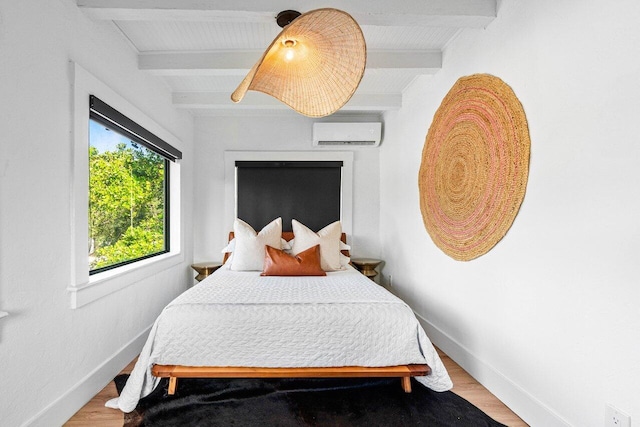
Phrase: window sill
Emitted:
{"points": [[102, 284]]}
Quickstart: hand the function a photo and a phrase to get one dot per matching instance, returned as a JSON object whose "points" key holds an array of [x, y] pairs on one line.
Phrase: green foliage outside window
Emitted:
{"points": [[126, 200]]}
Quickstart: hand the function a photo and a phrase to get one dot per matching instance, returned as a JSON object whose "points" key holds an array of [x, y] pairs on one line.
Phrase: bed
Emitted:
{"points": [[244, 324]]}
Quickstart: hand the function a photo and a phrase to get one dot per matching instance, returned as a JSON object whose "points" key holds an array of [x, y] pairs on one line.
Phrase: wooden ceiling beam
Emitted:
{"points": [[260, 101], [239, 62], [449, 13]]}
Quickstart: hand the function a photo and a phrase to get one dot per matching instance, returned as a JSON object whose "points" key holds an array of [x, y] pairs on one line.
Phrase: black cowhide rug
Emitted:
{"points": [[301, 402]]}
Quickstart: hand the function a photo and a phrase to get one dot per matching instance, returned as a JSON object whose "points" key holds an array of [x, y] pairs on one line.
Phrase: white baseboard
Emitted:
{"points": [[526, 406], [63, 408]]}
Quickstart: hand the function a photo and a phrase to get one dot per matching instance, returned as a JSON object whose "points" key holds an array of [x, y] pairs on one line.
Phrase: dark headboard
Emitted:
{"points": [[308, 191]]}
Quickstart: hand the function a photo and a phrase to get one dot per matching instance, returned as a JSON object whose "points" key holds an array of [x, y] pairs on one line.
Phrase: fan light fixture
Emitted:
{"points": [[314, 65]]}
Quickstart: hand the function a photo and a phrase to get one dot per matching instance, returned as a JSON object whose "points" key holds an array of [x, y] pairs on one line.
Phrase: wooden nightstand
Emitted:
{"points": [[205, 268], [367, 266]]}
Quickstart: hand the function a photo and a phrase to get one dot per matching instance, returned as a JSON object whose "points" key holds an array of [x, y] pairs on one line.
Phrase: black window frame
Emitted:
{"points": [[108, 116]]}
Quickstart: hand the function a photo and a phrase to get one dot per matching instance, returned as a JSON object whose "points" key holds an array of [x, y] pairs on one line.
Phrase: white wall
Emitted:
{"points": [[52, 357], [549, 318], [277, 132]]}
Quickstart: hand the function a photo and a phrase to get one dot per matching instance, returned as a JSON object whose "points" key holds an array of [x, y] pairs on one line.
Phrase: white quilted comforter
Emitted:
{"points": [[242, 319]]}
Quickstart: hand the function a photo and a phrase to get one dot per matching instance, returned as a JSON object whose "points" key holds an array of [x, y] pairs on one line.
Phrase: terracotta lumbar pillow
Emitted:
{"points": [[280, 263]]}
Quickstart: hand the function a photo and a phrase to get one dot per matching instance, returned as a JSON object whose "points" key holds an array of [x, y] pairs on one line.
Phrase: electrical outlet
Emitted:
{"points": [[614, 417]]}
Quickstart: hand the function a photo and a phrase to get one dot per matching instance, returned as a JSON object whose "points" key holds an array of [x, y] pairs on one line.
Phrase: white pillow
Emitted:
{"points": [[248, 253], [231, 246], [328, 238], [344, 260]]}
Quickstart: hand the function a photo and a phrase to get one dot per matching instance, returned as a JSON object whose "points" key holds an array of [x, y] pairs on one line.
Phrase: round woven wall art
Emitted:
{"points": [[475, 165]]}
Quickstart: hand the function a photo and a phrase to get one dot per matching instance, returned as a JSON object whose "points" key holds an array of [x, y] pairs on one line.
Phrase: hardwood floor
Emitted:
{"points": [[466, 386], [95, 414]]}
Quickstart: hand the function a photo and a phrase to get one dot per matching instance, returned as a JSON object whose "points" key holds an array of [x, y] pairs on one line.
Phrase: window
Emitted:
{"points": [[94, 101], [128, 190]]}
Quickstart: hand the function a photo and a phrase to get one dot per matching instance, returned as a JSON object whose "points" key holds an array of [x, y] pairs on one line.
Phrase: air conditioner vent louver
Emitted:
{"points": [[347, 134], [347, 142]]}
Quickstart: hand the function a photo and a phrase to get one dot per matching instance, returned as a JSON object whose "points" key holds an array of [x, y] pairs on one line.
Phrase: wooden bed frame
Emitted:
{"points": [[404, 372]]}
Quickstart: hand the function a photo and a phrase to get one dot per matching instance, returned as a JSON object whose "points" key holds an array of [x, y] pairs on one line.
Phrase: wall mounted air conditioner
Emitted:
{"points": [[347, 134]]}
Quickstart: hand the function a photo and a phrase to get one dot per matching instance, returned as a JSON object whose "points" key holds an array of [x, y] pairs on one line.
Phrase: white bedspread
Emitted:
{"points": [[242, 319]]}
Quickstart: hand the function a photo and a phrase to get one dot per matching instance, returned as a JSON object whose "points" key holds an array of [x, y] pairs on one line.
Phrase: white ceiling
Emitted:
{"points": [[203, 49]]}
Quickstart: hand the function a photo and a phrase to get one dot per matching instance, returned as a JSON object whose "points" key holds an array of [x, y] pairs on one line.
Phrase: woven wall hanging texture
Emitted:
{"points": [[475, 165], [314, 65]]}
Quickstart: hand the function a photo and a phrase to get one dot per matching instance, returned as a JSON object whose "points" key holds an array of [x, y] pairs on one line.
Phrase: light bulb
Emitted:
{"points": [[289, 51], [289, 55]]}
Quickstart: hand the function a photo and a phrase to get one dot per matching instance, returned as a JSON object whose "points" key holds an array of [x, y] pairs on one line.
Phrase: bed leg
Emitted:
{"points": [[173, 382], [406, 384]]}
